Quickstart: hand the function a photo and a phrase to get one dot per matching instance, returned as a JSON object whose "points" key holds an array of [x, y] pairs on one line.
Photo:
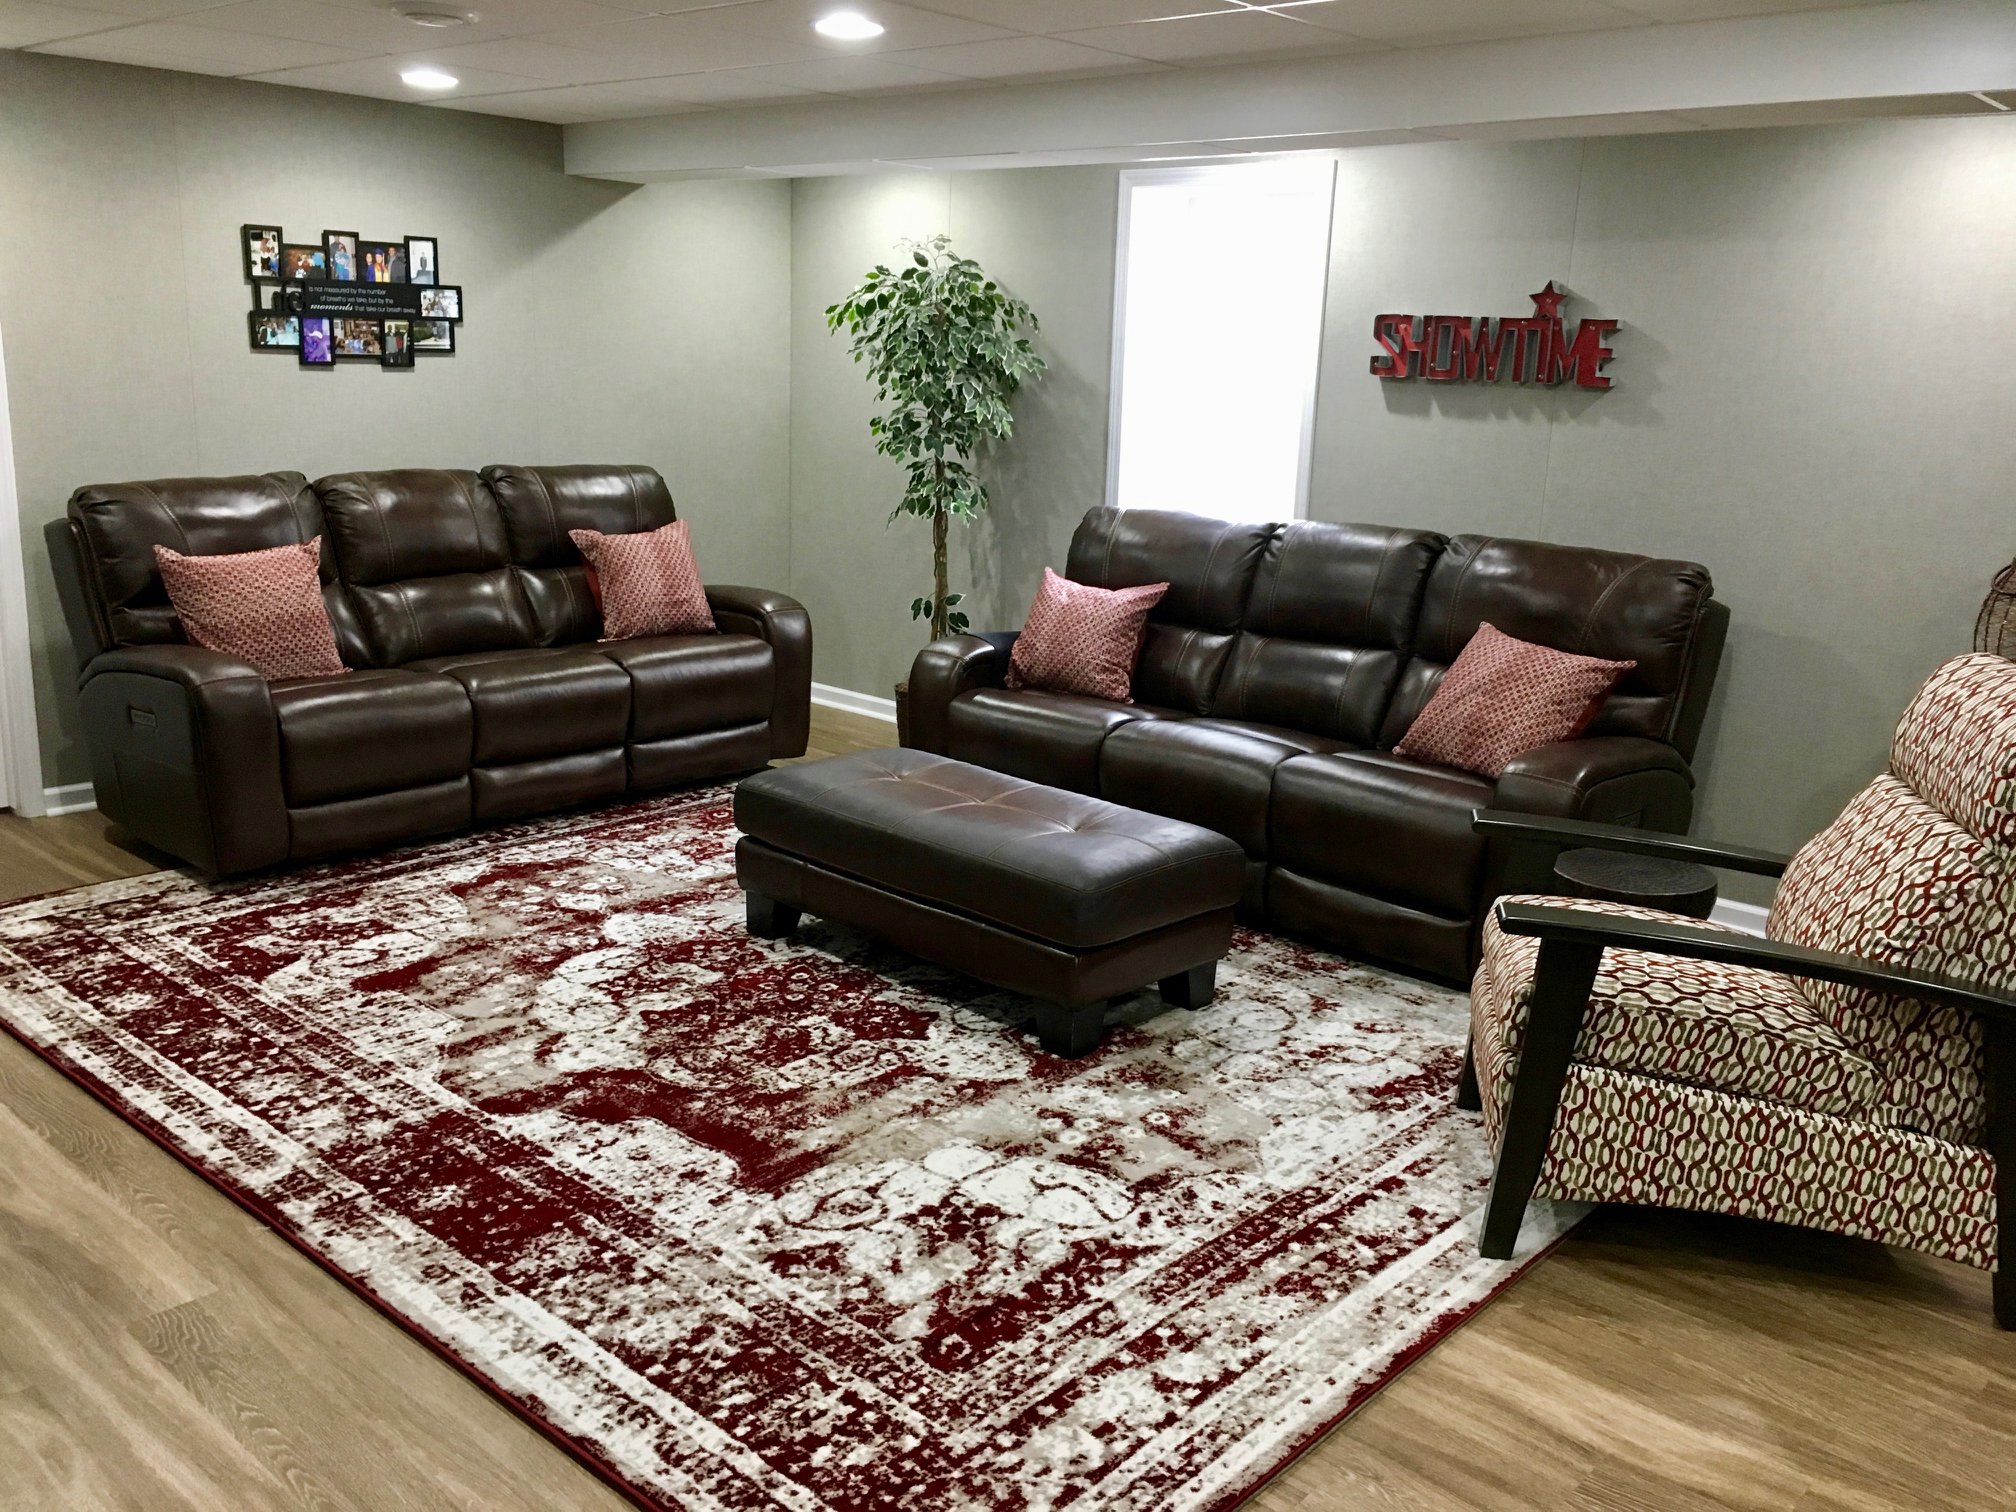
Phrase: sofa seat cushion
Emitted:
{"points": [[540, 702], [1210, 774], [1051, 738], [1732, 1029], [682, 684], [1300, 741], [1384, 825], [374, 730]]}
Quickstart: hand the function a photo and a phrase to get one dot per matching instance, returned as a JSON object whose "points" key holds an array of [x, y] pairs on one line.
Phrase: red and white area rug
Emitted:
{"points": [[792, 1225]]}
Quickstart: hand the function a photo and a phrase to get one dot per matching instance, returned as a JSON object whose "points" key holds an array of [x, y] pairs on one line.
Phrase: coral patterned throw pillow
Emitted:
{"points": [[1080, 639], [263, 607], [646, 583], [1502, 697]]}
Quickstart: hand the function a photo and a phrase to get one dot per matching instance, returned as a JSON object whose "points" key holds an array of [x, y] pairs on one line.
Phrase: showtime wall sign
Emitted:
{"points": [[1536, 348]]}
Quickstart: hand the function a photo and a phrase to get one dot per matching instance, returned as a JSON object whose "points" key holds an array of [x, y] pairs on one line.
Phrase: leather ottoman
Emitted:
{"points": [[1067, 899]]}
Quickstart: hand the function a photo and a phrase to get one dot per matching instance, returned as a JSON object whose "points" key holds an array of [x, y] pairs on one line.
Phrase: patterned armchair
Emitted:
{"points": [[1852, 1070]]}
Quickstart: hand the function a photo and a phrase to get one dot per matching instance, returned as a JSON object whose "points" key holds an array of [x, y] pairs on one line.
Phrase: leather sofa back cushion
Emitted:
{"points": [[1606, 604], [424, 554], [540, 505], [122, 523], [1209, 566], [1326, 631]]}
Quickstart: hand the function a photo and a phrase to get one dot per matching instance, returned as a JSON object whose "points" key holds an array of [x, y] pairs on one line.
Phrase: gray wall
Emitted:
{"points": [[606, 323], [1814, 398]]}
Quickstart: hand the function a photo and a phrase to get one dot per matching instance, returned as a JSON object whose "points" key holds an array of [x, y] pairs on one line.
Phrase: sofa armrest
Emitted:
{"points": [[782, 621], [1607, 778], [185, 753], [942, 671]]}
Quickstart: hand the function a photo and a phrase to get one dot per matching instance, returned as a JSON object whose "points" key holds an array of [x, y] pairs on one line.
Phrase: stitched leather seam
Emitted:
{"points": [[1589, 620]]}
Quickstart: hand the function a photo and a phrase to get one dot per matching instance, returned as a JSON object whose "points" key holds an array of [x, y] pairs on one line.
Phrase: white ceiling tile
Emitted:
{"points": [[694, 40], [1039, 17], [1247, 34], [25, 22], [572, 104], [729, 86], [1025, 59], [529, 57], [148, 10], [379, 78], [869, 75], [364, 31], [516, 18], [1716, 10], [1418, 23], [207, 51]]}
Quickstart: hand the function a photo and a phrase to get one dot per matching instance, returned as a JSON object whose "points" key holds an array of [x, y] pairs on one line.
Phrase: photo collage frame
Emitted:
{"points": [[347, 298]]}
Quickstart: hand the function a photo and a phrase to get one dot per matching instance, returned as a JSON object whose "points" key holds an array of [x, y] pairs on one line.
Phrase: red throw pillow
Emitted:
{"points": [[1502, 697], [263, 607], [1080, 639], [647, 583]]}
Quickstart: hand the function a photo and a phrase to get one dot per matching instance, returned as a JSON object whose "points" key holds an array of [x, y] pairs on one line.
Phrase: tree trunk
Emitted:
{"points": [[939, 613]]}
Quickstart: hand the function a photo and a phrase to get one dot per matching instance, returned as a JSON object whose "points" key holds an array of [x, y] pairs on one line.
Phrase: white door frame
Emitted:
{"points": [[20, 742]]}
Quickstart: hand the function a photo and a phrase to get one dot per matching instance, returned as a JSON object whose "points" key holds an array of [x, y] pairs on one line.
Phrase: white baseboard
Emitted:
{"points": [[828, 696], [71, 798], [1748, 917]]}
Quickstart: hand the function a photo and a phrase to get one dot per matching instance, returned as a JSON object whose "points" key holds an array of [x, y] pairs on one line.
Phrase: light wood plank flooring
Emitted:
{"points": [[159, 1349]]}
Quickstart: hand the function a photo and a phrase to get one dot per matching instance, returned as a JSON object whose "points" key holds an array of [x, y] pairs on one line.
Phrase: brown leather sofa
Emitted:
{"points": [[479, 689], [1284, 664]]}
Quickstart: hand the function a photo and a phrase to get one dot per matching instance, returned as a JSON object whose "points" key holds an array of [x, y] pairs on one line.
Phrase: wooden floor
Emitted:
{"points": [[159, 1349]]}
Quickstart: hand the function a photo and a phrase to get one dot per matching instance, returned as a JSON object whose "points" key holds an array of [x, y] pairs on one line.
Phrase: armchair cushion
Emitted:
{"points": [[1894, 881], [1732, 1029], [1956, 746]]}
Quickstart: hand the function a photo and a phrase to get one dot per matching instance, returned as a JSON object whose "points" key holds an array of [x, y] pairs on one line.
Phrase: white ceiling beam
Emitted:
{"points": [[1932, 48]]}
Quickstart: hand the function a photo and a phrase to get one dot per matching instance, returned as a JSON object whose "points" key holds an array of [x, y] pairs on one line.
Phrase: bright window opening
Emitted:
{"points": [[1218, 322]]}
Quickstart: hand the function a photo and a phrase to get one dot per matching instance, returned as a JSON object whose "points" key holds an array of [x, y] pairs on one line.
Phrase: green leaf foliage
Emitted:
{"points": [[943, 347]]}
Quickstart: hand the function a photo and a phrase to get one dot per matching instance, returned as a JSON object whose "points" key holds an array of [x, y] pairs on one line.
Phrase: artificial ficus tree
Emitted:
{"points": [[945, 352]]}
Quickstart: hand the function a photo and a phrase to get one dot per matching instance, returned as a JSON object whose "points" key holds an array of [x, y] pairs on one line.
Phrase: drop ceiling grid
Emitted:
{"points": [[586, 60]]}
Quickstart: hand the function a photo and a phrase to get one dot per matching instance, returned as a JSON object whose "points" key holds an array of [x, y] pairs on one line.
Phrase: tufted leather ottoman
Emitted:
{"points": [[1068, 899]]}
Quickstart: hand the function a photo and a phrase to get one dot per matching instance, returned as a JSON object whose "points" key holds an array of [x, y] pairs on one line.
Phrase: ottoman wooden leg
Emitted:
{"points": [[769, 919], [1070, 1032], [1192, 988]]}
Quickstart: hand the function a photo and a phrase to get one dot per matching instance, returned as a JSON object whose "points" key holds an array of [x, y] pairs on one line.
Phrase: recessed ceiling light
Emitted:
{"points": [[429, 78], [434, 17], [847, 26]]}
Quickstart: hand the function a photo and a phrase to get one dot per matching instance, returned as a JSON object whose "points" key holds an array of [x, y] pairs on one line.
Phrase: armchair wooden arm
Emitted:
{"points": [[1563, 834], [1572, 944]]}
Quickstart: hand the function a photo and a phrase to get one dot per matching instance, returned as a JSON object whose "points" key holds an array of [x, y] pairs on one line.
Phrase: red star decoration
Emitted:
{"points": [[1547, 303]]}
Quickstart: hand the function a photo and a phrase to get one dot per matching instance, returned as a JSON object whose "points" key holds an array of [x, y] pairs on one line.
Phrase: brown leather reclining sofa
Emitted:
{"points": [[479, 689], [1284, 664]]}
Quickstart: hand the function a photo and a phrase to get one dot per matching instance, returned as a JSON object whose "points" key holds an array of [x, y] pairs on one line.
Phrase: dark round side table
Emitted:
{"points": [[1678, 887]]}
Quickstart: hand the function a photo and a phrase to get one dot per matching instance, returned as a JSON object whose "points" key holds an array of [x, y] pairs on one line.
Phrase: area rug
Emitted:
{"points": [[802, 1225]]}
